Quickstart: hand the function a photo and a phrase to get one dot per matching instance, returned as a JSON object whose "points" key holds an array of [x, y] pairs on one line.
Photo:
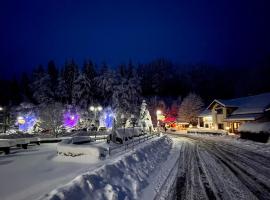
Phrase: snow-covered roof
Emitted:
{"points": [[246, 105], [244, 117], [205, 113]]}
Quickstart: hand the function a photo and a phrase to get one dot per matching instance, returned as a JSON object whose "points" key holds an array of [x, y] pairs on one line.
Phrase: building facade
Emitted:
{"points": [[231, 113]]}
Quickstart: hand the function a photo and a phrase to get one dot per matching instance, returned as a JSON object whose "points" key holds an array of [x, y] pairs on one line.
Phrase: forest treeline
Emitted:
{"points": [[125, 85]]}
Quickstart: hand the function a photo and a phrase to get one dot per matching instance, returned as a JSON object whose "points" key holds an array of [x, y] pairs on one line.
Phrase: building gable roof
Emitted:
{"points": [[251, 104]]}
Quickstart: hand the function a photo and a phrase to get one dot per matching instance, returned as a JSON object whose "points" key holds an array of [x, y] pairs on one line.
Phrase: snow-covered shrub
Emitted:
{"points": [[259, 132]]}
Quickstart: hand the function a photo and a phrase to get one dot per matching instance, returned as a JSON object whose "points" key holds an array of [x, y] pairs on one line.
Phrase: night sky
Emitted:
{"points": [[221, 32]]}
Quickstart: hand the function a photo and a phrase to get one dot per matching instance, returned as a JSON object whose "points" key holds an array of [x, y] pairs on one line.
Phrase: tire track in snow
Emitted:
{"points": [[248, 178]]}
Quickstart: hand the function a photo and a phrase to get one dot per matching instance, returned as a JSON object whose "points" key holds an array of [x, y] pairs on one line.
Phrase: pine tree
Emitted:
{"points": [[61, 90], [89, 70], [190, 108], [70, 74], [53, 73], [82, 94], [41, 86], [105, 84], [25, 88]]}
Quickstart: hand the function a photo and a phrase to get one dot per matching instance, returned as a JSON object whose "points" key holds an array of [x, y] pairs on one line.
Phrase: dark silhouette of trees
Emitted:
{"points": [[154, 81]]}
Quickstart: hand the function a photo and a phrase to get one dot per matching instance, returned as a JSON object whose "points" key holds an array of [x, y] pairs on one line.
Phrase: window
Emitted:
{"points": [[219, 111]]}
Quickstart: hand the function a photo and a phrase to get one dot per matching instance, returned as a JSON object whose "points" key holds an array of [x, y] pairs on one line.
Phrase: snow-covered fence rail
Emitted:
{"points": [[167, 190], [132, 143], [99, 137], [206, 131]]}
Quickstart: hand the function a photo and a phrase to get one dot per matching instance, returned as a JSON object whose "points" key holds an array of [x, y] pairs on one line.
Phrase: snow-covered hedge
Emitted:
{"points": [[259, 132], [255, 127], [123, 179]]}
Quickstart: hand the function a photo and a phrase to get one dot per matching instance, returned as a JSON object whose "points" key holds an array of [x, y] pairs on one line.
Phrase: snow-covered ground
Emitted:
{"points": [[27, 174], [34, 172], [137, 174], [200, 167], [222, 167]]}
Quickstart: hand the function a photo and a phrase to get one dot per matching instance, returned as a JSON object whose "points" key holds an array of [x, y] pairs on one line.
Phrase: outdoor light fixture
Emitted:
{"points": [[92, 108], [71, 119], [99, 108], [109, 117], [26, 122], [1, 108], [159, 112], [20, 120]]}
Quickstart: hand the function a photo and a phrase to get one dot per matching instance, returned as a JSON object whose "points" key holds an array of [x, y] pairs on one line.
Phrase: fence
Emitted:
{"points": [[132, 143]]}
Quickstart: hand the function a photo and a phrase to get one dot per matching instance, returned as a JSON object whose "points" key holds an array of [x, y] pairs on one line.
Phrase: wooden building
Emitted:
{"points": [[231, 113]]}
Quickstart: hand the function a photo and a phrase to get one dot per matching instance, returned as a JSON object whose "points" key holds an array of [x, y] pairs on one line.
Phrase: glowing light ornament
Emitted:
{"points": [[26, 122], [71, 119], [107, 118]]}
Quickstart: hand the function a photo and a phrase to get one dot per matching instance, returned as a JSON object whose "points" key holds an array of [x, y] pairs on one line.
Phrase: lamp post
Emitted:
{"points": [[123, 124], [159, 112], [1, 110], [95, 110], [133, 121]]}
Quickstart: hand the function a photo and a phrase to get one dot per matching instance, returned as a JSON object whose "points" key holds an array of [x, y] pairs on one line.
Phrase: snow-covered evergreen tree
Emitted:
{"points": [[105, 84], [82, 94], [127, 91], [70, 74], [41, 86], [145, 120], [190, 108], [61, 90]]}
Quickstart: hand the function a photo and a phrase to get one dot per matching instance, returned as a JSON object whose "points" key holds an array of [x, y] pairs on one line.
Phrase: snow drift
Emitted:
{"points": [[125, 178], [255, 127]]}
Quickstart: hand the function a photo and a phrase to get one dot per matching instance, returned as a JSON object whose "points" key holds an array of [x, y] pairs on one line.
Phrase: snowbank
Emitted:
{"points": [[206, 131], [125, 178], [255, 127]]}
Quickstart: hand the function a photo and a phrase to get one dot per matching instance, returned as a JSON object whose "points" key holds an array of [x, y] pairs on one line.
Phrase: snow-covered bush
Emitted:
{"points": [[259, 132], [255, 127]]}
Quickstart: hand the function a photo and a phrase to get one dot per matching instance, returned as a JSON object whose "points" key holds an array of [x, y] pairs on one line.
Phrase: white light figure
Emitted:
{"points": [[145, 120]]}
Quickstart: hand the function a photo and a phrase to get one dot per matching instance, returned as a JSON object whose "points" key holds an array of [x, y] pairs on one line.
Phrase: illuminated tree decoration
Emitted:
{"points": [[107, 118], [71, 119], [26, 122]]}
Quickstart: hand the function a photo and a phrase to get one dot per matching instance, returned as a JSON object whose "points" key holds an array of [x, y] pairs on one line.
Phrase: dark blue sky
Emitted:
{"points": [[185, 31]]}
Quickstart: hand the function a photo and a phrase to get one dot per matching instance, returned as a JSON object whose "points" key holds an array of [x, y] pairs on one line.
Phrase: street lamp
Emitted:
{"points": [[95, 110], [159, 112], [133, 121]]}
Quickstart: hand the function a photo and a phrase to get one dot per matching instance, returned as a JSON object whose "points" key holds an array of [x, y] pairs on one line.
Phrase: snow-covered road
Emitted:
{"points": [[223, 168], [28, 174]]}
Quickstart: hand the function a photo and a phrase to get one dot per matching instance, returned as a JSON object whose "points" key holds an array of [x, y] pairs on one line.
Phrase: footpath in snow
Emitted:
{"points": [[137, 174]]}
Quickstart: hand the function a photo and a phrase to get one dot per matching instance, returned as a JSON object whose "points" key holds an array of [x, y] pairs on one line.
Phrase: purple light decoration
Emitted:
{"points": [[26, 122], [71, 119]]}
